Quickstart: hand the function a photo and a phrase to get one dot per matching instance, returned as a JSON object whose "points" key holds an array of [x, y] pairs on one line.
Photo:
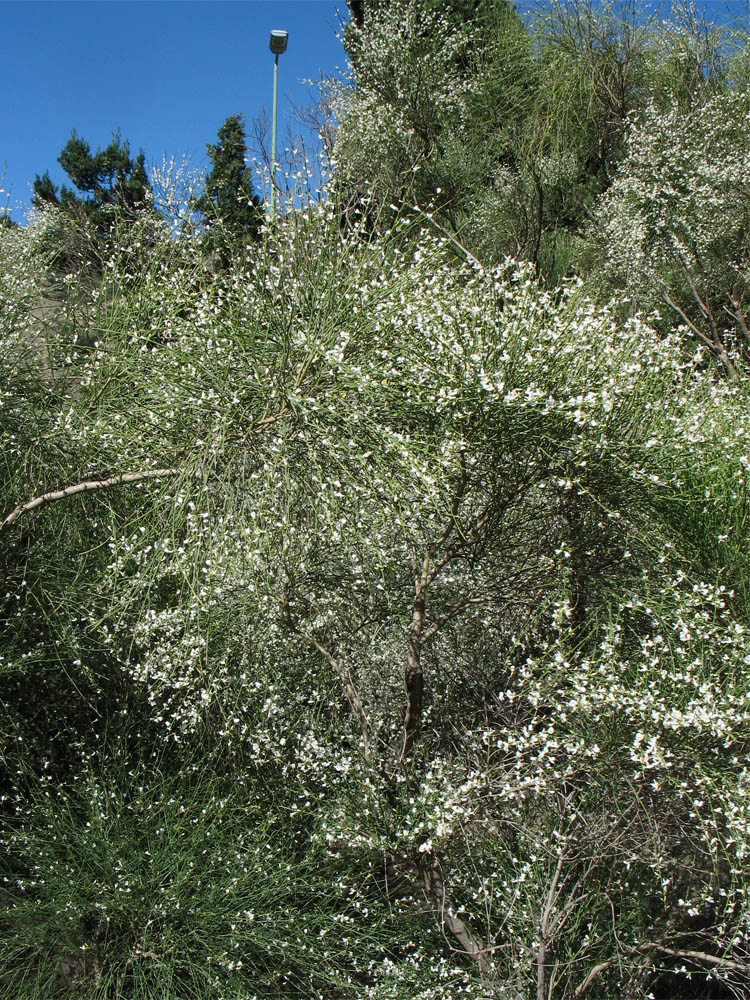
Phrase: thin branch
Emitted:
{"points": [[545, 935], [552, 894], [652, 946], [706, 310], [88, 486], [434, 888], [594, 974], [413, 672], [700, 956], [463, 540], [684, 316], [454, 508], [738, 315], [352, 695], [450, 237], [717, 349], [451, 613]]}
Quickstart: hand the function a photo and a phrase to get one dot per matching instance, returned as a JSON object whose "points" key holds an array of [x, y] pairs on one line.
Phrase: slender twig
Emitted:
{"points": [[434, 888], [454, 610], [450, 237], [465, 536], [700, 956], [738, 315], [545, 934], [454, 507], [594, 974], [684, 316]]}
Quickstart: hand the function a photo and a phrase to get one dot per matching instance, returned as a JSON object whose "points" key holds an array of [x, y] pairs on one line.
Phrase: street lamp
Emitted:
{"points": [[277, 45]]}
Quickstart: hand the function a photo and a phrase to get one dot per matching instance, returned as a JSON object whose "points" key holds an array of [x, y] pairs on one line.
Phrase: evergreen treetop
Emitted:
{"points": [[107, 178], [231, 210]]}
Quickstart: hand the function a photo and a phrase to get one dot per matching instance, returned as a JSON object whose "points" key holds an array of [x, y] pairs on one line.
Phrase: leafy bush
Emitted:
{"points": [[397, 602], [672, 231]]}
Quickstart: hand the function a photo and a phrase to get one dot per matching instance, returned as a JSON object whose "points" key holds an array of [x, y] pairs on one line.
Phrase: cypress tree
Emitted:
{"points": [[231, 211]]}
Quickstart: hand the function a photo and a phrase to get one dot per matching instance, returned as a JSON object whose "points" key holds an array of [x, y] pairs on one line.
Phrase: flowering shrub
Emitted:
{"points": [[389, 621], [673, 227]]}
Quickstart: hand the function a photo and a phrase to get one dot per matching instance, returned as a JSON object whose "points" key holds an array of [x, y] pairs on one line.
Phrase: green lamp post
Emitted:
{"points": [[277, 45]]}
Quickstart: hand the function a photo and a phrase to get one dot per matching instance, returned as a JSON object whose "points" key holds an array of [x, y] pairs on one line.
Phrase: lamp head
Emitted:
{"points": [[277, 44]]}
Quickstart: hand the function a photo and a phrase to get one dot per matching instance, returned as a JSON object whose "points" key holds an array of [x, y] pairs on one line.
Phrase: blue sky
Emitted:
{"points": [[166, 73]]}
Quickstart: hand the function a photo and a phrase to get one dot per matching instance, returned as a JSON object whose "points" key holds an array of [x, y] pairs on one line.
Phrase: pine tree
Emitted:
{"points": [[109, 187], [107, 179], [231, 211]]}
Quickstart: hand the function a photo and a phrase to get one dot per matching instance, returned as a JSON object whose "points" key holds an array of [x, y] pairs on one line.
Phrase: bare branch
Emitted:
{"points": [[702, 303], [454, 508], [738, 315], [699, 956], [656, 946], [413, 680], [87, 486], [463, 540], [352, 695], [451, 613], [469, 256], [594, 974], [717, 349], [434, 888], [545, 933]]}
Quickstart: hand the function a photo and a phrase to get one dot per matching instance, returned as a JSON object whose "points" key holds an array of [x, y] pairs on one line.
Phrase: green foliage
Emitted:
{"points": [[509, 129], [111, 186], [672, 233], [368, 465], [375, 620], [155, 878], [108, 178], [232, 213]]}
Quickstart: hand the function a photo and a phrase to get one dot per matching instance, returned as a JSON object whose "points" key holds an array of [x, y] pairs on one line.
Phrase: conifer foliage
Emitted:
{"points": [[106, 179], [231, 211], [110, 187]]}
